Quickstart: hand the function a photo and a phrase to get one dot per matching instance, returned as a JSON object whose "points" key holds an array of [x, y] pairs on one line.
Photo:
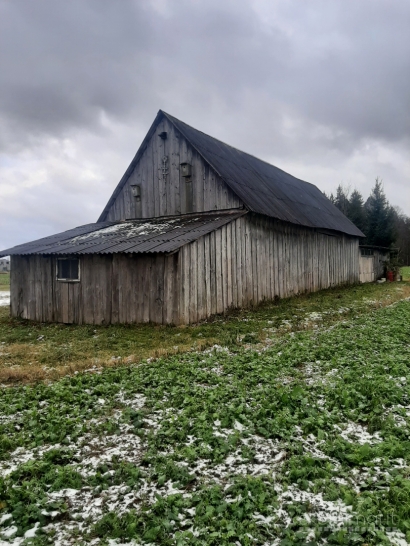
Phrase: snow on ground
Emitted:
{"points": [[4, 298], [90, 450], [335, 513], [397, 538], [87, 505], [355, 433]]}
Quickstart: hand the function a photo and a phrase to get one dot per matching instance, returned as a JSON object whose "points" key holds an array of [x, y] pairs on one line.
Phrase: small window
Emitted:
{"points": [[68, 269]]}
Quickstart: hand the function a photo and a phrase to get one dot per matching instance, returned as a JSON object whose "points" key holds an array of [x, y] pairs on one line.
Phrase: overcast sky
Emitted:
{"points": [[319, 88]]}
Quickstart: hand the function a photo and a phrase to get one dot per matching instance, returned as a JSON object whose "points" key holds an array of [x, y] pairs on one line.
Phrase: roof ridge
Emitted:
{"points": [[171, 118]]}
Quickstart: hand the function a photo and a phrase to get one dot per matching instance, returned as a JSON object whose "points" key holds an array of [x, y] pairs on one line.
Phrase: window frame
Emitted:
{"points": [[61, 279]]}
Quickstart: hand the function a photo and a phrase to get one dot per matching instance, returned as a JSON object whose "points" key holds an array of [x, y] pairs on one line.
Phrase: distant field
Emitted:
{"points": [[405, 271], [37, 351], [4, 281]]}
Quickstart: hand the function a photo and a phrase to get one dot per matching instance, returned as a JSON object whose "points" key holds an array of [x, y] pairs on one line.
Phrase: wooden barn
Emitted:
{"points": [[195, 227]]}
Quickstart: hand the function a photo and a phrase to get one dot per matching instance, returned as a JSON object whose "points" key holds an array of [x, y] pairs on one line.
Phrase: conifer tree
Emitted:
{"points": [[380, 218], [342, 199], [356, 212]]}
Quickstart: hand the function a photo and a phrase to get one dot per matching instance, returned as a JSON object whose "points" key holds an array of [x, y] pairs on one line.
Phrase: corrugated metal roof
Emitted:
{"points": [[263, 188], [133, 236]]}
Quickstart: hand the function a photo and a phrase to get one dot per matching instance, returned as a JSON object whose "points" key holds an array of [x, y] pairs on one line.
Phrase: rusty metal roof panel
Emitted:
{"points": [[132, 236]]}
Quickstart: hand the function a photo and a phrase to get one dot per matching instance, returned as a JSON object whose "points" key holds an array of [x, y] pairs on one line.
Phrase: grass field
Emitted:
{"points": [[405, 272], [292, 430], [4, 281], [35, 351]]}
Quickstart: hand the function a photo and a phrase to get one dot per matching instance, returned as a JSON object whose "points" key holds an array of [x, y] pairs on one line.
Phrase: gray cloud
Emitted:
{"points": [[321, 87]]}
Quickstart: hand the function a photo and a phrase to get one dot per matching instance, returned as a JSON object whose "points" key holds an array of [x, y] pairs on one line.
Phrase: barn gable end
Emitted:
{"points": [[156, 176]]}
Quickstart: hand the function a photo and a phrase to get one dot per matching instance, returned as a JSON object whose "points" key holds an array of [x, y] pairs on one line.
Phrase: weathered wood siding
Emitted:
{"points": [[372, 267], [254, 259], [113, 289], [163, 197], [366, 269]]}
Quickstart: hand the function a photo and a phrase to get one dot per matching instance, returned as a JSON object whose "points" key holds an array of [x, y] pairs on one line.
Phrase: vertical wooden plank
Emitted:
{"points": [[318, 257], [48, 295], [98, 292], [139, 286], [288, 251], [64, 302], [123, 286], [175, 258], [248, 261], [269, 251], [219, 272], [224, 268], [57, 293], [261, 271], [157, 283], [173, 199], [207, 271], [201, 280], [283, 261], [275, 262], [212, 262], [239, 261], [234, 268], [294, 262], [265, 259], [137, 299], [115, 289], [145, 265], [300, 260], [279, 241], [170, 292], [193, 283], [254, 236], [163, 149], [184, 283]]}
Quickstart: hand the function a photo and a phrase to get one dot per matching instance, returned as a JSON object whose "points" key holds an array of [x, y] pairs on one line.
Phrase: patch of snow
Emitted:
{"points": [[129, 229], [4, 518], [31, 533], [397, 538], [312, 317], [216, 349], [9, 533], [336, 513], [355, 433]]}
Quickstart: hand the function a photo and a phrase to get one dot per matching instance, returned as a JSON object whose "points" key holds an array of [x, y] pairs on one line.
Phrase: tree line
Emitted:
{"points": [[382, 224]]}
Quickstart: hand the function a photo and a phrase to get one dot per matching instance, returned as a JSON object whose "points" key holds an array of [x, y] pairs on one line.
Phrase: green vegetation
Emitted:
{"points": [[293, 431], [405, 272], [36, 351], [4, 281]]}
